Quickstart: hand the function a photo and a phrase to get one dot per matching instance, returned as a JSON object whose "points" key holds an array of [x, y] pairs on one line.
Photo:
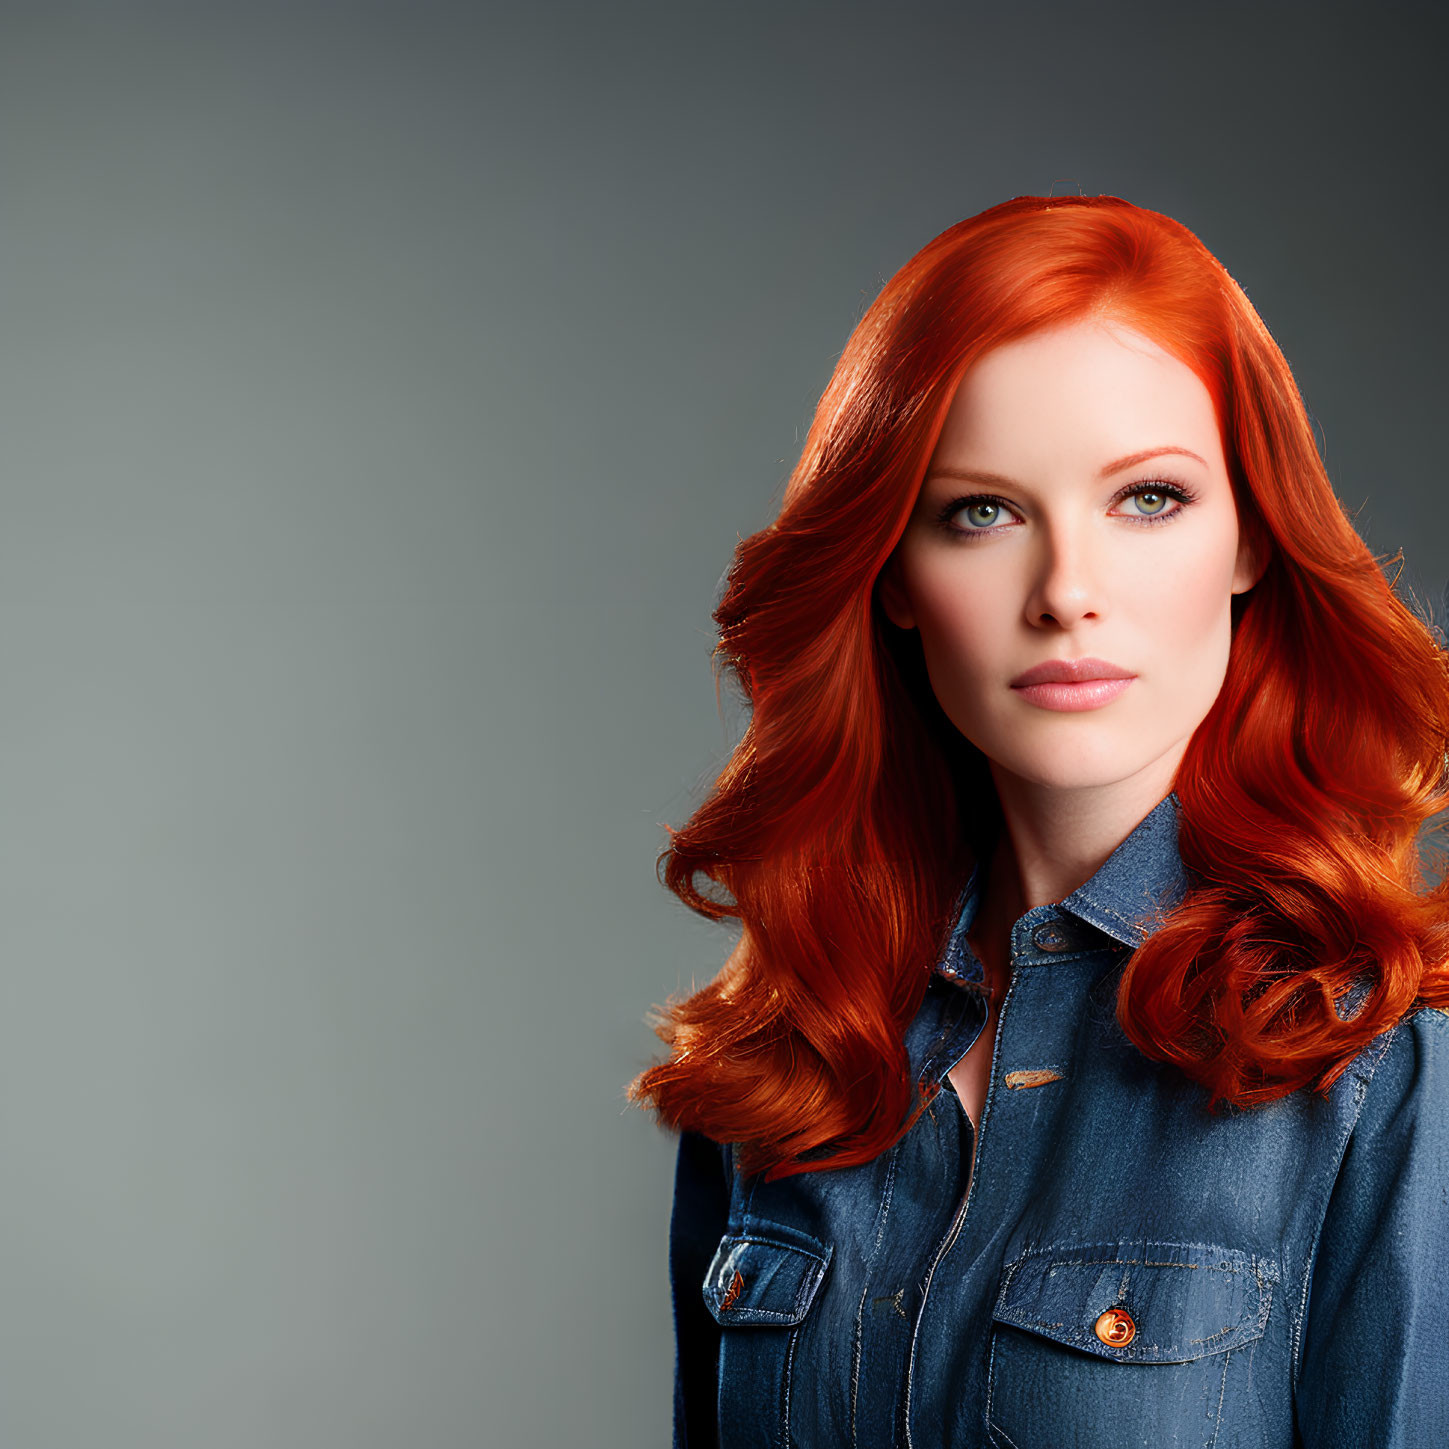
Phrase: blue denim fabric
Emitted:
{"points": [[1285, 1268]]}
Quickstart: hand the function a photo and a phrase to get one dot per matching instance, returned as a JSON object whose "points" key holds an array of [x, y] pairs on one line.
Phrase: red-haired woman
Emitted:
{"points": [[1081, 1075]]}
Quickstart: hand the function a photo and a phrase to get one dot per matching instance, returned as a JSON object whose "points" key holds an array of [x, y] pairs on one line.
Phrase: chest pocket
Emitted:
{"points": [[1122, 1343], [759, 1288]]}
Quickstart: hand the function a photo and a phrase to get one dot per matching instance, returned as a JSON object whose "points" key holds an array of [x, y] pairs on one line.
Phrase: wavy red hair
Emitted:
{"points": [[842, 827]]}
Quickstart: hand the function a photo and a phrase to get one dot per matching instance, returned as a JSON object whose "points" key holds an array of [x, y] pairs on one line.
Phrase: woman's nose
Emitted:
{"points": [[1066, 586]]}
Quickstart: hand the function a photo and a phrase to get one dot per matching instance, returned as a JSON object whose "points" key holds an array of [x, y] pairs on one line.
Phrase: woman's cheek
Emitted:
{"points": [[957, 634], [962, 601]]}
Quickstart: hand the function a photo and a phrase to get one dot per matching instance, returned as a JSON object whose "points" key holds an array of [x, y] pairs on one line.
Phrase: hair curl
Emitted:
{"points": [[843, 824]]}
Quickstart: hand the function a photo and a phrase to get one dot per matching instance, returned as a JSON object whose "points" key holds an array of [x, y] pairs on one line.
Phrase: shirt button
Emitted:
{"points": [[1050, 938], [1115, 1327], [733, 1291]]}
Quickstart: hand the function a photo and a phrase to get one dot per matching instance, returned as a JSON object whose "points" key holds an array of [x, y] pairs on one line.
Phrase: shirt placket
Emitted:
{"points": [[1025, 1058]]}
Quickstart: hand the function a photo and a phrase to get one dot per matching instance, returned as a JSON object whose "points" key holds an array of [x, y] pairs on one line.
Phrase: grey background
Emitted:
{"points": [[384, 390]]}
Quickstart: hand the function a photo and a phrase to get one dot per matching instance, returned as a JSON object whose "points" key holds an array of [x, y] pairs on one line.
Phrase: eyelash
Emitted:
{"points": [[1180, 491]]}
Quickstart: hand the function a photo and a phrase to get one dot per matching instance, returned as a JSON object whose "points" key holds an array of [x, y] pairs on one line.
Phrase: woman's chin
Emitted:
{"points": [[1050, 771]]}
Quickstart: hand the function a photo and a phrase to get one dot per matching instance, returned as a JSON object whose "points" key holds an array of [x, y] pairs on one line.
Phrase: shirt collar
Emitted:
{"points": [[1136, 885]]}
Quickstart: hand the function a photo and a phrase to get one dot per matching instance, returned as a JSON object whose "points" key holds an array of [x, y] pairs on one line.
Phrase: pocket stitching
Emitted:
{"points": [[1265, 1295], [1261, 1271], [766, 1317]]}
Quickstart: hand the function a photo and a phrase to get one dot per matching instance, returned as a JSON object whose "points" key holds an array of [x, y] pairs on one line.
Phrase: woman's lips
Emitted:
{"points": [[1086, 694]]}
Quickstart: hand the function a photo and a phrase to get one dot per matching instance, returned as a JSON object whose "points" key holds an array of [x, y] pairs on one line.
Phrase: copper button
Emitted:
{"points": [[733, 1291], [1115, 1327]]}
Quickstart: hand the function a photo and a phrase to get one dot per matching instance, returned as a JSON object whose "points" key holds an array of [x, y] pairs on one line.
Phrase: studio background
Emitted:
{"points": [[383, 390]]}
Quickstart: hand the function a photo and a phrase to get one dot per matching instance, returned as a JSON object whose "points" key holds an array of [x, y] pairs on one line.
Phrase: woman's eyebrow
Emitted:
{"points": [[1000, 480]]}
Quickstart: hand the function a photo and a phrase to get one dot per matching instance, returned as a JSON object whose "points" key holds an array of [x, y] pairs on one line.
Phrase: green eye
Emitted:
{"points": [[1151, 501], [977, 513]]}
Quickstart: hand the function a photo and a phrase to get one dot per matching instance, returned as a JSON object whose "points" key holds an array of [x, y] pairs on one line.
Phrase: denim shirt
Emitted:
{"points": [[1123, 1267]]}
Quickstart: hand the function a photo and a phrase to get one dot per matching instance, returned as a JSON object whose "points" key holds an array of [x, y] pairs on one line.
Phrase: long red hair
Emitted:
{"points": [[842, 827]]}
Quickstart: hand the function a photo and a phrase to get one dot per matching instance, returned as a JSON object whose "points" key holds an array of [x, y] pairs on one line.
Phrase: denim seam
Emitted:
{"points": [[1362, 1079], [1238, 1261], [1127, 925], [1143, 1263], [855, 1361], [991, 1425], [1222, 1390], [882, 1212], [999, 1433], [786, 1437]]}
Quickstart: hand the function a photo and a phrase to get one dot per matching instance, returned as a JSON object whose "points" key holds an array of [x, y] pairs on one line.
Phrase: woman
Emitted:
{"points": [[1081, 1074]]}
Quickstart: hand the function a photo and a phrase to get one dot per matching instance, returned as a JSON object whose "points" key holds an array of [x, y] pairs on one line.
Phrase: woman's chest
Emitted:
{"points": [[1123, 1264], [969, 1078]]}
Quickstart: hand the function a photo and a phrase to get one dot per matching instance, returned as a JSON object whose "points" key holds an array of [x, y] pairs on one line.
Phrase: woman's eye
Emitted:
{"points": [[1154, 502], [978, 514]]}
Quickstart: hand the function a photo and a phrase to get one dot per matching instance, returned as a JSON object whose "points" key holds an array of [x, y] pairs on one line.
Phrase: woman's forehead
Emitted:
{"points": [[1098, 389]]}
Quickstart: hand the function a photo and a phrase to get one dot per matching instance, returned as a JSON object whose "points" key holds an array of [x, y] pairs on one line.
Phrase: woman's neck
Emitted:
{"points": [[1054, 840]]}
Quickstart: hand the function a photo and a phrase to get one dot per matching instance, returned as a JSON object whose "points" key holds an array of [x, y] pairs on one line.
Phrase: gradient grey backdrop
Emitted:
{"points": [[384, 390]]}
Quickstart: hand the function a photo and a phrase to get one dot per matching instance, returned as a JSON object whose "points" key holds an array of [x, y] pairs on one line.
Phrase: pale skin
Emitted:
{"points": [[1097, 520]]}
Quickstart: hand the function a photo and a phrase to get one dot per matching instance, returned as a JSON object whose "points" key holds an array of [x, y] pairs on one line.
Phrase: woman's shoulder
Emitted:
{"points": [[1414, 1052], [1379, 1256], [1401, 1082]]}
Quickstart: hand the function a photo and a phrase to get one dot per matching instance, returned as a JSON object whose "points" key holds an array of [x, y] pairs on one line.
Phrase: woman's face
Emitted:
{"points": [[1077, 508]]}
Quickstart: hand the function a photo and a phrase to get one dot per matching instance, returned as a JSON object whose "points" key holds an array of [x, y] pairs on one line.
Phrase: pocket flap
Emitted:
{"points": [[1139, 1302], [764, 1277]]}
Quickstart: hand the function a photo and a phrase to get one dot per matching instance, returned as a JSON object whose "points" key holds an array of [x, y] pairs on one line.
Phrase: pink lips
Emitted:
{"points": [[1073, 684]]}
